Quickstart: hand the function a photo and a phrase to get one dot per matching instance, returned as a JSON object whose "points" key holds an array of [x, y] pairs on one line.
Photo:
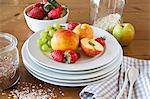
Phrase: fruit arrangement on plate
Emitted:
{"points": [[47, 10], [63, 43]]}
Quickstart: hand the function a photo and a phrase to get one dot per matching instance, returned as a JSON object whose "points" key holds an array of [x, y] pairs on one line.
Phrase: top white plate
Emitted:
{"points": [[84, 63]]}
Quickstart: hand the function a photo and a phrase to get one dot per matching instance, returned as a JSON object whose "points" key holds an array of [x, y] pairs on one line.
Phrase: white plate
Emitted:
{"points": [[78, 72], [65, 76], [73, 81], [70, 84], [85, 63], [28, 67]]}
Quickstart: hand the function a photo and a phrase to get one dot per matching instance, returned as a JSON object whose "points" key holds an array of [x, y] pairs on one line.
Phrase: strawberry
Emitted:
{"points": [[37, 5], [55, 13], [77, 55], [72, 25], [71, 56], [45, 1], [59, 9], [57, 55], [37, 13], [101, 40]]}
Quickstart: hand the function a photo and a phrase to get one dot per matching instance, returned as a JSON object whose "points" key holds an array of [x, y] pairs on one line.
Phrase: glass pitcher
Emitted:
{"points": [[106, 13]]}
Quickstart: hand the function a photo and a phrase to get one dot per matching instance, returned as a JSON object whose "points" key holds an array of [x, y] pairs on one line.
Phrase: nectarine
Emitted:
{"points": [[64, 39]]}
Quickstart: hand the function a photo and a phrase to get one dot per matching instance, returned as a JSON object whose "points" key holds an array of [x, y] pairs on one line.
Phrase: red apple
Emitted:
{"points": [[90, 47], [64, 39]]}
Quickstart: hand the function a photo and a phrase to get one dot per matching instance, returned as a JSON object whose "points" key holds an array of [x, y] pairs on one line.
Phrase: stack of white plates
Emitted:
{"points": [[84, 72]]}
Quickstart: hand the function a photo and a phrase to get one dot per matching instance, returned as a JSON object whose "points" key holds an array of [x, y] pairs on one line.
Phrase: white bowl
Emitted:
{"points": [[37, 25]]}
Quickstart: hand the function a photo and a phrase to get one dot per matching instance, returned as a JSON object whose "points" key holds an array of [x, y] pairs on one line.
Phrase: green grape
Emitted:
{"points": [[57, 26], [45, 48], [39, 42], [48, 37], [51, 33], [44, 40], [50, 50], [62, 27], [49, 28], [49, 43], [43, 34]]}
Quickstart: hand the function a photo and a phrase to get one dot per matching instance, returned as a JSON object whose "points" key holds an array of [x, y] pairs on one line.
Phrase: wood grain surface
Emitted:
{"points": [[136, 12]]}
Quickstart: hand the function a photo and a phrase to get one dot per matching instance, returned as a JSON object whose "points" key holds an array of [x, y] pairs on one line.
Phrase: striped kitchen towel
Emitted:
{"points": [[110, 88]]}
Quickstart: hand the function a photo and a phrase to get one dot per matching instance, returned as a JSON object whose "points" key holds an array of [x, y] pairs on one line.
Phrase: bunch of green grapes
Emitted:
{"points": [[44, 41]]}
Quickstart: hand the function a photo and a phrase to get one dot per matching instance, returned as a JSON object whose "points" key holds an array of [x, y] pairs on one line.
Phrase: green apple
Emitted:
{"points": [[124, 33]]}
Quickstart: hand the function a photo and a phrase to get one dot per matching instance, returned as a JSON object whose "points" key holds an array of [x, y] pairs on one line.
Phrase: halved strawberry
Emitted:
{"points": [[101, 40], [57, 55], [55, 13], [71, 56]]}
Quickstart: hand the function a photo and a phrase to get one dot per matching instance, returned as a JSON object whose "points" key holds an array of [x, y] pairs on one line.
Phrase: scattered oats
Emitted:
{"points": [[21, 87], [15, 97], [49, 90], [23, 82], [62, 94], [59, 88], [33, 91], [33, 86], [3, 94], [9, 97], [40, 85]]}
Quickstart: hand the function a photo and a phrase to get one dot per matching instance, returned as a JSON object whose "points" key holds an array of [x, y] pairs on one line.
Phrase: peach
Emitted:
{"points": [[64, 39], [84, 31]]}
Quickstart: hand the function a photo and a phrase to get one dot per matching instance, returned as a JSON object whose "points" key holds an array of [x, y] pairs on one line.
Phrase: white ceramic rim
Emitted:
{"points": [[71, 85]]}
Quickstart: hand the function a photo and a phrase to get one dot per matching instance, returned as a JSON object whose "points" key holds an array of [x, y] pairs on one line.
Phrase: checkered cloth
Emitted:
{"points": [[110, 89]]}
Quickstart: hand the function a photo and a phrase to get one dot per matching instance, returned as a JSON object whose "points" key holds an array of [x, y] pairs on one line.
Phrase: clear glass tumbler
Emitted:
{"points": [[106, 13], [9, 61]]}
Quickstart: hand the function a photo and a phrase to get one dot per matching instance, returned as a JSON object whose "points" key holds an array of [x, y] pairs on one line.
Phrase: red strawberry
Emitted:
{"points": [[58, 55], [37, 13], [77, 55], [37, 5], [59, 9], [101, 40], [72, 25], [71, 56], [55, 13], [45, 1]]}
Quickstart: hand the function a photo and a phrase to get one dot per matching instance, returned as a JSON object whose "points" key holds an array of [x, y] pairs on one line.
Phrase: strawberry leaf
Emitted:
{"points": [[54, 3], [47, 7]]}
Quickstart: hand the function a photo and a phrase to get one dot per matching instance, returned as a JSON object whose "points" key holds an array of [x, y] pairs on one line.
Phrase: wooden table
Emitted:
{"points": [[136, 12]]}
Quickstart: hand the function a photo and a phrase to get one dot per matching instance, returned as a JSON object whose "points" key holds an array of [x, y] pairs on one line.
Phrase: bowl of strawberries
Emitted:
{"points": [[46, 13]]}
